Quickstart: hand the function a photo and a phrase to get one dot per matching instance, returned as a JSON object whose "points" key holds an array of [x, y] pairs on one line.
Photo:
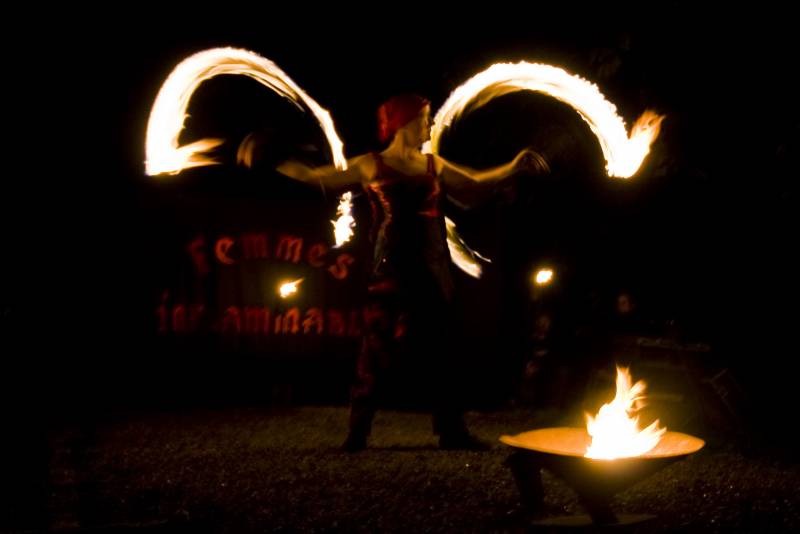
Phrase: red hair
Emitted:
{"points": [[397, 112]]}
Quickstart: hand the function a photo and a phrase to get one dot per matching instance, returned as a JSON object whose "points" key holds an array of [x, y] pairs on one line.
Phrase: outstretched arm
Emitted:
{"points": [[359, 169], [463, 183]]}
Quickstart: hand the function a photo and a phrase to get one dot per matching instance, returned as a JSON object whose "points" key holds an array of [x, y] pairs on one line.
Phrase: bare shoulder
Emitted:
{"points": [[366, 165]]}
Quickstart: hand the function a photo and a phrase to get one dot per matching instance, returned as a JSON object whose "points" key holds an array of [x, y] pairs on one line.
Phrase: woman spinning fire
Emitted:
{"points": [[410, 289]]}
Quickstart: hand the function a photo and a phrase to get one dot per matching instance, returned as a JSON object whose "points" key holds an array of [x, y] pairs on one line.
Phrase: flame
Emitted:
{"points": [[543, 276], [464, 257], [289, 288], [615, 434], [163, 151], [343, 226], [623, 154], [164, 154]]}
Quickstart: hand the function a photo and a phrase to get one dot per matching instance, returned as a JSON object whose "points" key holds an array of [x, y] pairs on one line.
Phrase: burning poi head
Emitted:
{"points": [[287, 289], [543, 277]]}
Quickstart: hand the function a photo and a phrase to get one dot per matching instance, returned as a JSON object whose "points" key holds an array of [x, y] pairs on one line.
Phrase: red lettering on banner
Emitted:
{"points": [[289, 248], [255, 246], [251, 320], [196, 251], [232, 320], [339, 269], [221, 249], [250, 246], [336, 324], [256, 320], [291, 321], [313, 319], [316, 255]]}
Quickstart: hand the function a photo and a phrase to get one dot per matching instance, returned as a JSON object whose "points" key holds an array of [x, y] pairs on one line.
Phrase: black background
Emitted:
{"points": [[704, 234]]}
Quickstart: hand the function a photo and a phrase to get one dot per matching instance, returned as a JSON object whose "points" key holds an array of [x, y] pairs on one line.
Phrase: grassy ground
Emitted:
{"points": [[279, 470]]}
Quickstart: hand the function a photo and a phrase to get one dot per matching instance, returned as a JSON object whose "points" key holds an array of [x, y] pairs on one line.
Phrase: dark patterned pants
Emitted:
{"points": [[402, 324]]}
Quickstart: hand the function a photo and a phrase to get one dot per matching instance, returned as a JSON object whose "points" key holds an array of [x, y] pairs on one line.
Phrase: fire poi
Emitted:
{"points": [[287, 289], [598, 461], [608, 455], [164, 155]]}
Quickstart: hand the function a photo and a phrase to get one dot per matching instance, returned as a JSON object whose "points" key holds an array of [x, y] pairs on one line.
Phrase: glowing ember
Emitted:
{"points": [[343, 226], [623, 154], [163, 152], [464, 257], [289, 288], [543, 277], [615, 434]]}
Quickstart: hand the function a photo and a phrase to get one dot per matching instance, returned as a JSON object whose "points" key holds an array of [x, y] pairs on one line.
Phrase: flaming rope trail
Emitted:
{"points": [[163, 151], [623, 154], [164, 154]]}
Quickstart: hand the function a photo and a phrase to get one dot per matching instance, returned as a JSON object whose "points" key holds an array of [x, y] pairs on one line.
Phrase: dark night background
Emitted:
{"points": [[704, 235]]}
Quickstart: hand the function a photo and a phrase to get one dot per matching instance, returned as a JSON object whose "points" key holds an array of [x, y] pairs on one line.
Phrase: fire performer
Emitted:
{"points": [[410, 289]]}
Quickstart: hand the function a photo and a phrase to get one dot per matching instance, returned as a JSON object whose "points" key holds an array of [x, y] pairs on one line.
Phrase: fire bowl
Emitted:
{"points": [[596, 481]]}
